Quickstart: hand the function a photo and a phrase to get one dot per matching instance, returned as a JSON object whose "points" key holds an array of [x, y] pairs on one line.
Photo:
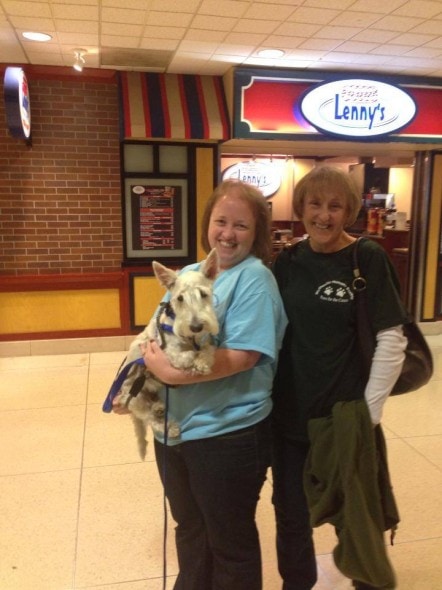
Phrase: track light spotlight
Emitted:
{"points": [[79, 59]]}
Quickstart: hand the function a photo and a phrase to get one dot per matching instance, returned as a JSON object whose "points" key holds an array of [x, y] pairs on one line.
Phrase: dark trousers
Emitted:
{"points": [[294, 539], [213, 487], [294, 536]]}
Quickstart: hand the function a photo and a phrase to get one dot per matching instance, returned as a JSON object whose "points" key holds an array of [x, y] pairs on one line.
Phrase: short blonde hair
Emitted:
{"points": [[262, 244], [326, 180]]}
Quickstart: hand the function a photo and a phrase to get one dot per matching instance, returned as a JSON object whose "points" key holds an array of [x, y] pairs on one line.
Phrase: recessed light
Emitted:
{"points": [[271, 53], [32, 36]]}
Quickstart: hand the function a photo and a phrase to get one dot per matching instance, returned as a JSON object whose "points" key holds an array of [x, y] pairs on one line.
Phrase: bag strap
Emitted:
{"points": [[359, 282], [365, 335]]}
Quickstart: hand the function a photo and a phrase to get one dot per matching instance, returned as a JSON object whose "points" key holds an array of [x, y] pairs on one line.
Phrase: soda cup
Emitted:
{"points": [[372, 221]]}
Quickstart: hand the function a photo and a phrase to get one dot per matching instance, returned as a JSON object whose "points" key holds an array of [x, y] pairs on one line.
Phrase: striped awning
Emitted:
{"points": [[173, 106]]}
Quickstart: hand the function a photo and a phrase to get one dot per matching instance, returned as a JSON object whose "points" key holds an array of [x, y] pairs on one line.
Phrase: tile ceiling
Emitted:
{"points": [[211, 36]]}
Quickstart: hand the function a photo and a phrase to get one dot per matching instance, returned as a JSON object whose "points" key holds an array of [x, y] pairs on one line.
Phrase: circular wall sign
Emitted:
{"points": [[262, 176], [17, 103], [358, 108]]}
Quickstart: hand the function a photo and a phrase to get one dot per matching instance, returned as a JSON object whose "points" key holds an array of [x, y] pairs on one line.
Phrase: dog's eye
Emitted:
{"points": [[203, 294], [180, 298]]}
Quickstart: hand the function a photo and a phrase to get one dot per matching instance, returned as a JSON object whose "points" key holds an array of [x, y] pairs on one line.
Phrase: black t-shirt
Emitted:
{"points": [[319, 363]]}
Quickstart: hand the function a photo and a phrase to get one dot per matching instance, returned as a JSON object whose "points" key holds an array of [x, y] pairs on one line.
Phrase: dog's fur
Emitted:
{"points": [[184, 328]]}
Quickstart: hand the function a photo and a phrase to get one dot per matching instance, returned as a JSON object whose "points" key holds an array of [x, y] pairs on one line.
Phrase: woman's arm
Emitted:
{"points": [[227, 362], [385, 369]]}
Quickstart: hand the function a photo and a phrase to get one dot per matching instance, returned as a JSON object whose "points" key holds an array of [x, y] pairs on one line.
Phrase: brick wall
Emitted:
{"points": [[60, 198]]}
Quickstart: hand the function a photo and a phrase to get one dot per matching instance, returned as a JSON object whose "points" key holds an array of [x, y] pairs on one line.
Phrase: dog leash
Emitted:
{"points": [[118, 382], [161, 328], [107, 407], [166, 413]]}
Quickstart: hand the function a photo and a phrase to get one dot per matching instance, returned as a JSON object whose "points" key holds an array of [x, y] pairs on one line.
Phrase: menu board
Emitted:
{"points": [[156, 217]]}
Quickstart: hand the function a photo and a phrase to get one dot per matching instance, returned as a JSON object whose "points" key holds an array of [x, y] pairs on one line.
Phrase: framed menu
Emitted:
{"points": [[156, 213]]}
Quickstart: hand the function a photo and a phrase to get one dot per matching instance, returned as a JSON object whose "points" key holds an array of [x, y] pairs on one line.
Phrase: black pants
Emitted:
{"points": [[294, 540], [294, 535], [213, 488]]}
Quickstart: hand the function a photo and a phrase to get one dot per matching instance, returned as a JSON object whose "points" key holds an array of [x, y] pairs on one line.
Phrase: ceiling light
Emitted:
{"points": [[79, 59], [271, 53], [32, 36]]}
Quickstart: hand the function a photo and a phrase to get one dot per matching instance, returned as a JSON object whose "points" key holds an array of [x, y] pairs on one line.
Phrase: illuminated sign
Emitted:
{"points": [[17, 103], [357, 108], [261, 175], [267, 105]]}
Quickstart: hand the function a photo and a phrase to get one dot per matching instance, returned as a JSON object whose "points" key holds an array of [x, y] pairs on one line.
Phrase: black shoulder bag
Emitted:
{"points": [[417, 369]]}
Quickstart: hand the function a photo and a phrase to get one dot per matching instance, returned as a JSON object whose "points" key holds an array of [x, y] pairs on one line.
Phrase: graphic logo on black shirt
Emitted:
{"points": [[335, 292]]}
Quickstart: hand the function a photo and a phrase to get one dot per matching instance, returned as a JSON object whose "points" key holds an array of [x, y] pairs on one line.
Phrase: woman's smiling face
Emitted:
{"points": [[324, 218], [231, 230]]}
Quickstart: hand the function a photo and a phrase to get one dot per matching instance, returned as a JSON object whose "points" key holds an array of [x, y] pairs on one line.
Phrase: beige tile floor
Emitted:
{"points": [[79, 510]]}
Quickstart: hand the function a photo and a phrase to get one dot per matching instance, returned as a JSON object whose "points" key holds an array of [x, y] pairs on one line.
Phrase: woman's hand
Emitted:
{"points": [[118, 408], [156, 360]]}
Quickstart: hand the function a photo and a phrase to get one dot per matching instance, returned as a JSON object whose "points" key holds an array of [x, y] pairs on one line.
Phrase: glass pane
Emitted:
{"points": [[173, 158], [138, 158]]}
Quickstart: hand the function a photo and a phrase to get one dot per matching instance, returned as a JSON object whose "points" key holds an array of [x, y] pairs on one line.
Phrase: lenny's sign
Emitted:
{"points": [[272, 104], [261, 175], [358, 108]]}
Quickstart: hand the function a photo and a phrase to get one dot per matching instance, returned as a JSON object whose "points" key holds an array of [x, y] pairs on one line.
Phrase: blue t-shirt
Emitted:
{"points": [[251, 317]]}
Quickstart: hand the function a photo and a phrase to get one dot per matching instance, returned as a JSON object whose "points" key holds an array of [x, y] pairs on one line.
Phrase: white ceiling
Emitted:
{"points": [[210, 36]]}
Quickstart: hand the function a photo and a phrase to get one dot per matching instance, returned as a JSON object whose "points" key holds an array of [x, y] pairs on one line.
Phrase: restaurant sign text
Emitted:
{"points": [[357, 108]]}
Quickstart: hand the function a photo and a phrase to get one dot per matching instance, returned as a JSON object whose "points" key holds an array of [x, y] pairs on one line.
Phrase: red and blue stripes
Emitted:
{"points": [[173, 106]]}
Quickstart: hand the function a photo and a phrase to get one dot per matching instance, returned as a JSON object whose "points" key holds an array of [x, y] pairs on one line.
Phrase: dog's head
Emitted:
{"points": [[191, 297]]}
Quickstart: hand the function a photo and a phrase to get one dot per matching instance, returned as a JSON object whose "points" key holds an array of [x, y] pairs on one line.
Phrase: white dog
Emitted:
{"points": [[184, 328]]}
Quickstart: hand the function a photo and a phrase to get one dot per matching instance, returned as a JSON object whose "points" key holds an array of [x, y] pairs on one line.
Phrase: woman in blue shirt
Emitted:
{"points": [[216, 468]]}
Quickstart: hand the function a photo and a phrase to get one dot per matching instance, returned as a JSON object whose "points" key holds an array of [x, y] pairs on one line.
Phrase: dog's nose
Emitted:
{"points": [[195, 328]]}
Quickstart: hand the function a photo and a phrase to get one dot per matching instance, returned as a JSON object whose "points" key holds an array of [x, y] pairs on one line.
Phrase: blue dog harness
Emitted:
{"points": [[122, 373]]}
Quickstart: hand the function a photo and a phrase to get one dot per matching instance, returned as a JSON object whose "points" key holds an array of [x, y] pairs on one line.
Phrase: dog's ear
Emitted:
{"points": [[166, 276], [210, 267]]}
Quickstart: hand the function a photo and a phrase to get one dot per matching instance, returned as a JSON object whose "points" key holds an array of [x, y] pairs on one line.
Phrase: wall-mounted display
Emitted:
{"points": [[156, 218]]}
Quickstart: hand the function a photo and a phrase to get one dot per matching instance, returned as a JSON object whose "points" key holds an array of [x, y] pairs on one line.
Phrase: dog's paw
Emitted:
{"points": [[122, 400], [201, 366], [139, 407], [173, 430], [184, 360], [142, 449]]}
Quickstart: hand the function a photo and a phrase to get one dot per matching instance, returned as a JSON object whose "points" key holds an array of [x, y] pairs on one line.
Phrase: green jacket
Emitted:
{"points": [[348, 485]]}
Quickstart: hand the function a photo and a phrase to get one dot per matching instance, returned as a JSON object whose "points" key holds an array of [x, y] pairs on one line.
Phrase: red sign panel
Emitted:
{"points": [[268, 106]]}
